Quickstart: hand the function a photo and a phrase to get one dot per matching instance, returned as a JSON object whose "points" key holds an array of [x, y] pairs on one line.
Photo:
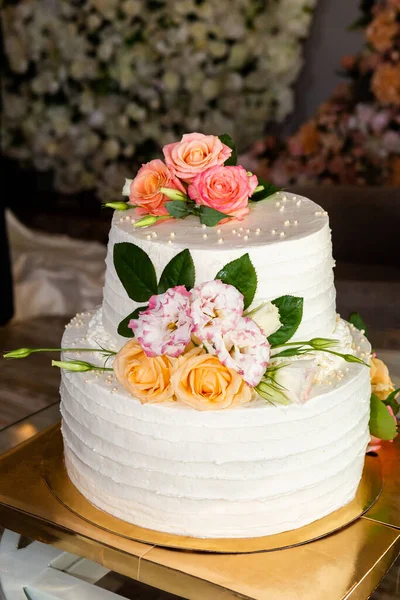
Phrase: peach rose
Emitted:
{"points": [[204, 383], [226, 189], [146, 378], [145, 188], [195, 153], [381, 383]]}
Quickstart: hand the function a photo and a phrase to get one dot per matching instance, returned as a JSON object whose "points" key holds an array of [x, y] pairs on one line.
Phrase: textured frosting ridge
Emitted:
{"points": [[288, 240], [249, 471]]}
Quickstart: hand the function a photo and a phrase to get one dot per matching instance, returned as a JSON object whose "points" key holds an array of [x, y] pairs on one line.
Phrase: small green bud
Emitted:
{"points": [[73, 365], [118, 205], [259, 188], [20, 353], [146, 221], [355, 359], [174, 194], [322, 343]]}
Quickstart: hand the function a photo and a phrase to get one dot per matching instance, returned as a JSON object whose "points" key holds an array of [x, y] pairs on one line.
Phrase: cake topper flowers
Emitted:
{"points": [[199, 177]]}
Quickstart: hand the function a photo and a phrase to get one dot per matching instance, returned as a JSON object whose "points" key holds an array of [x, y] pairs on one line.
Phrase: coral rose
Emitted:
{"points": [[381, 383], [226, 189], [146, 378], [204, 383], [194, 154], [145, 188]]}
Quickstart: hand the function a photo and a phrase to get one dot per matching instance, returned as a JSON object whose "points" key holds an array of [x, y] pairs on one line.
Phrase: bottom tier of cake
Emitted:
{"points": [[250, 471]]}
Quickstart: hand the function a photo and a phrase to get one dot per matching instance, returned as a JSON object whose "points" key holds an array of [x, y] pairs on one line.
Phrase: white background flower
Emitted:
{"points": [[136, 77]]}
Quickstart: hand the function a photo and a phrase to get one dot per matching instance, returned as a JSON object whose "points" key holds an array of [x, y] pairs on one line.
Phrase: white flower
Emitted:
{"points": [[244, 349], [294, 381], [215, 309], [267, 318]]}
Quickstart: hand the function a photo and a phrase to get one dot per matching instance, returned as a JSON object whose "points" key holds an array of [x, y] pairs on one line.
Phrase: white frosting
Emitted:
{"points": [[288, 240], [249, 471]]}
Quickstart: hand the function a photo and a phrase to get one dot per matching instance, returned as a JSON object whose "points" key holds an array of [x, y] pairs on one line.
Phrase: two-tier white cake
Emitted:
{"points": [[248, 471]]}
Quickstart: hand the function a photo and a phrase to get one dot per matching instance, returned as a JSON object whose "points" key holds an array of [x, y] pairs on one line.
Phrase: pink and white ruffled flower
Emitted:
{"points": [[244, 349], [216, 308], [166, 326]]}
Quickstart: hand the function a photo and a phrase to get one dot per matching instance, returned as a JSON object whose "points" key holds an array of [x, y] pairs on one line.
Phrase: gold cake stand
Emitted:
{"points": [[56, 478]]}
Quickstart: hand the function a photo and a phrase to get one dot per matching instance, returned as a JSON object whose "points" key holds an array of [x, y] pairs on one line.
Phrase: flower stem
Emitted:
{"points": [[25, 352]]}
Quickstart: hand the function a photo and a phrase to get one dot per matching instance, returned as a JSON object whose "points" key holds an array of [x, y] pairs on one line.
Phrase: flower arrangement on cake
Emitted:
{"points": [[354, 138], [199, 176]]}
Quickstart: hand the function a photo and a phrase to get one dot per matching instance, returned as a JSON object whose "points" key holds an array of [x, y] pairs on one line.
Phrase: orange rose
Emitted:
{"points": [[204, 383], [385, 84], [147, 378], [381, 383], [382, 30]]}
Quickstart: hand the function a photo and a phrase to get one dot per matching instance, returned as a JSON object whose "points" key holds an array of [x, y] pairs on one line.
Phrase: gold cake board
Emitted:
{"points": [[58, 482]]}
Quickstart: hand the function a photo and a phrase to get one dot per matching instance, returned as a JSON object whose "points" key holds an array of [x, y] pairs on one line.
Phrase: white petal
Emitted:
{"points": [[126, 190]]}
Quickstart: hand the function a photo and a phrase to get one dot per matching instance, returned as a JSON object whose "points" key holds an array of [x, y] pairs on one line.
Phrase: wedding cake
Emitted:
{"points": [[238, 402], [216, 393]]}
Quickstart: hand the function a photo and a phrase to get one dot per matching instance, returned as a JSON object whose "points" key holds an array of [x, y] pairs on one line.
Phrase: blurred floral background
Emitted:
{"points": [[93, 88], [354, 139]]}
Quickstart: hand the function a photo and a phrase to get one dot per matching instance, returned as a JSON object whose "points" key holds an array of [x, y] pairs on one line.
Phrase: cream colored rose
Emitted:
{"points": [[267, 318], [381, 383], [204, 383], [147, 378]]}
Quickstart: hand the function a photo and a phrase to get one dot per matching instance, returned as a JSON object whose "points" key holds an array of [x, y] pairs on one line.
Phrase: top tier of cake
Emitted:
{"points": [[286, 236]]}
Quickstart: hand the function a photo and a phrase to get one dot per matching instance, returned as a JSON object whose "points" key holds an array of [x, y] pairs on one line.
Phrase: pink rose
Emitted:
{"points": [[226, 189], [244, 349], [165, 327], [194, 154], [145, 188], [215, 307]]}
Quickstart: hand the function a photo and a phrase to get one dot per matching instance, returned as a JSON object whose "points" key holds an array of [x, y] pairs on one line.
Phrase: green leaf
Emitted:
{"points": [[123, 328], [269, 190], [381, 422], [356, 320], [290, 315], [179, 271], [392, 402], [228, 141], [210, 216], [242, 275], [136, 271], [177, 209]]}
